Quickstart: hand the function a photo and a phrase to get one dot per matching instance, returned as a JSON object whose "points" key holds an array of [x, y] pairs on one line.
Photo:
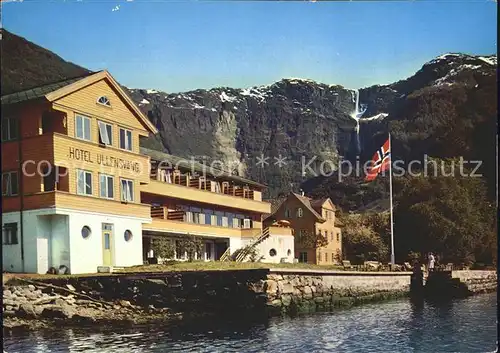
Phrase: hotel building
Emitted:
{"points": [[79, 191], [310, 216]]}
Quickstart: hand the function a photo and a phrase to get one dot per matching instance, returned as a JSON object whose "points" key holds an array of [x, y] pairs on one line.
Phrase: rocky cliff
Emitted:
{"points": [[446, 109]]}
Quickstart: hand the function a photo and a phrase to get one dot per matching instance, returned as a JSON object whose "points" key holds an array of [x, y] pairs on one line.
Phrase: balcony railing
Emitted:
{"points": [[202, 183]]}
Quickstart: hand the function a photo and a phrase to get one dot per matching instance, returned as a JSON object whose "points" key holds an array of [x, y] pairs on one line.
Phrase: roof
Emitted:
{"points": [[54, 91], [39, 92], [275, 205], [184, 163], [307, 202]]}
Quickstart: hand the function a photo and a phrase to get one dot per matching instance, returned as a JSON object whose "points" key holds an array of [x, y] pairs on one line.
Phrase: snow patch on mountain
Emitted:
{"points": [[379, 116], [492, 60]]}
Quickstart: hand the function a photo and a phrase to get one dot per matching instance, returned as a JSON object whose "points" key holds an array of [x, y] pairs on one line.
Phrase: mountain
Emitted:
{"points": [[446, 109], [26, 65]]}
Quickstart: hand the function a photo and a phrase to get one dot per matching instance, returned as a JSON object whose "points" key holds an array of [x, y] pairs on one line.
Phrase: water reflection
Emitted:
{"points": [[397, 326]]}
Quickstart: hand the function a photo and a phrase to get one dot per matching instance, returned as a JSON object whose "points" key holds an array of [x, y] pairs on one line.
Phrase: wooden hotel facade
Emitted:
{"points": [[79, 191]]}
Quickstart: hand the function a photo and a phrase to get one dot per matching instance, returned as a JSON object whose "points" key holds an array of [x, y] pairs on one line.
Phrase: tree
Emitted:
{"points": [[311, 240], [448, 215], [361, 238], [163, 248], [191, 244]]}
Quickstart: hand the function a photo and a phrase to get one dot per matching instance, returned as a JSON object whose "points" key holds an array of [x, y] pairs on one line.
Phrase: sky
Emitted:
{"points": [[177, 46]]}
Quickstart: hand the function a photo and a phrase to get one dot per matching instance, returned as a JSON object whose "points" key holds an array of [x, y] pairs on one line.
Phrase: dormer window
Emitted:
{"points": [[104, 101]]}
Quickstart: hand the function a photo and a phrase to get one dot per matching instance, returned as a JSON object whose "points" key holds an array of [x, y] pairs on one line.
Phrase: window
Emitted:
{"points": [[272, 252], [326, 257], [127, 190], [302, 233], [289, 252], [84, 182], [105, 133], [127, 235], [104, 101], [86, 232], [125, 139], [300, 212], [287, 213], [303, 257], [331, 236], [106, 186], [10, 184], [82, 127], [10, 129], [247, 223], [338, 236], [10, 234], [333, 257]]}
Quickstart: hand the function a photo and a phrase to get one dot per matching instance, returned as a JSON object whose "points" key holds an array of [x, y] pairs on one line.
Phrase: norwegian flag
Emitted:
{"points": [[381, 161]]}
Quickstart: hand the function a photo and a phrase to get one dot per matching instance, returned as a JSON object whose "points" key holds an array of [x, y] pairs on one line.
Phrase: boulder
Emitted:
{"points": [[58, 312], [26, 310]]}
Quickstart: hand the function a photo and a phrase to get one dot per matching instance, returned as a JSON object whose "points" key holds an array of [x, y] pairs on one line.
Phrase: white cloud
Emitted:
{"points": [[116, 8]]}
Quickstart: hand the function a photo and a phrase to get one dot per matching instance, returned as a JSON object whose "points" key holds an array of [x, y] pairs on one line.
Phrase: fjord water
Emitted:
{"points": [[465, 325]]}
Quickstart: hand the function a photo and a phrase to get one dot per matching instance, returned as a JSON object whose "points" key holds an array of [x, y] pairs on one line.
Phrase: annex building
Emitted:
{"points": [[79, 191]]}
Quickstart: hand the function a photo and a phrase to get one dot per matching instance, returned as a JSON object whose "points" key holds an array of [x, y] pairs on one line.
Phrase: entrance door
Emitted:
{"points": [[42, 252], [107, 244]]}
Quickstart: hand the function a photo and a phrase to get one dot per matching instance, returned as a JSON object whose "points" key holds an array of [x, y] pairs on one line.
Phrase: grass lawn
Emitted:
{"points": [[178, 266], [221, 266]]}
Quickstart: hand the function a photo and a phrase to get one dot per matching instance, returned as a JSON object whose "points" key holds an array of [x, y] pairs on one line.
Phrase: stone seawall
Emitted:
{"points": [[160, 296], [477, 281], [307, 291]]}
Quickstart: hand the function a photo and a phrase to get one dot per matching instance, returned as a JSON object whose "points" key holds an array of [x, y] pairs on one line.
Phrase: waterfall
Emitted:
{"points": [[356, 115]]}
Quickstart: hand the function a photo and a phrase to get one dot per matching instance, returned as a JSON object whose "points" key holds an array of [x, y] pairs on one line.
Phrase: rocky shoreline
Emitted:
{"points": [[41, 306]]}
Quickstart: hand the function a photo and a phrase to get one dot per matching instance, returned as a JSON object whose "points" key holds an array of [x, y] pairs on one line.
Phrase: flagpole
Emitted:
{"points": [[393, 259]]}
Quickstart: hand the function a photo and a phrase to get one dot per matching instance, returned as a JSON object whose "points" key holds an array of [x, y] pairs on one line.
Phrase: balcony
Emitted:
{"points": [[173, 222], [233, 198], [65, 200]]}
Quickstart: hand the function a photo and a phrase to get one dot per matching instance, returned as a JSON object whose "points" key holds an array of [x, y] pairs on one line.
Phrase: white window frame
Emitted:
{"points": [[105, 134], [288, 214], [125, 134], [6, 126], [84, 191], [106, 190], [7, 231], [247, 223], [127, 194], [300, 212], [8, 191], [106, 102], [83, 119]]}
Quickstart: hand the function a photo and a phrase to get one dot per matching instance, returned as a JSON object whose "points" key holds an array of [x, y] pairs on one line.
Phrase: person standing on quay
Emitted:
{"points": [[431, 262]]}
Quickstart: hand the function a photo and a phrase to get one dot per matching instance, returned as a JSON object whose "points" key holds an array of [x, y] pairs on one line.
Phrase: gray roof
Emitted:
{"points": [[39, 92], [187, 164], [307, 202]]}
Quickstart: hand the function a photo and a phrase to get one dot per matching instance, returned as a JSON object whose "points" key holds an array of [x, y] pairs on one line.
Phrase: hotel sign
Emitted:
{"points": [[99, 158]]}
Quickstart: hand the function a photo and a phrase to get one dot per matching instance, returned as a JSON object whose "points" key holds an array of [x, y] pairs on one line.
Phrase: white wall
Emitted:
{"points": [[11, 254], [281, 243], [59, 241], [87, 253], [235, 243]]}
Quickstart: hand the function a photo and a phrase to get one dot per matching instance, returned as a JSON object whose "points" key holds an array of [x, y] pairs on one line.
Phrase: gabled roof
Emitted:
{"points": [[275, 205], [186, 164], [39, 92], [318, 204], [307, 203], [54, 91]]}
